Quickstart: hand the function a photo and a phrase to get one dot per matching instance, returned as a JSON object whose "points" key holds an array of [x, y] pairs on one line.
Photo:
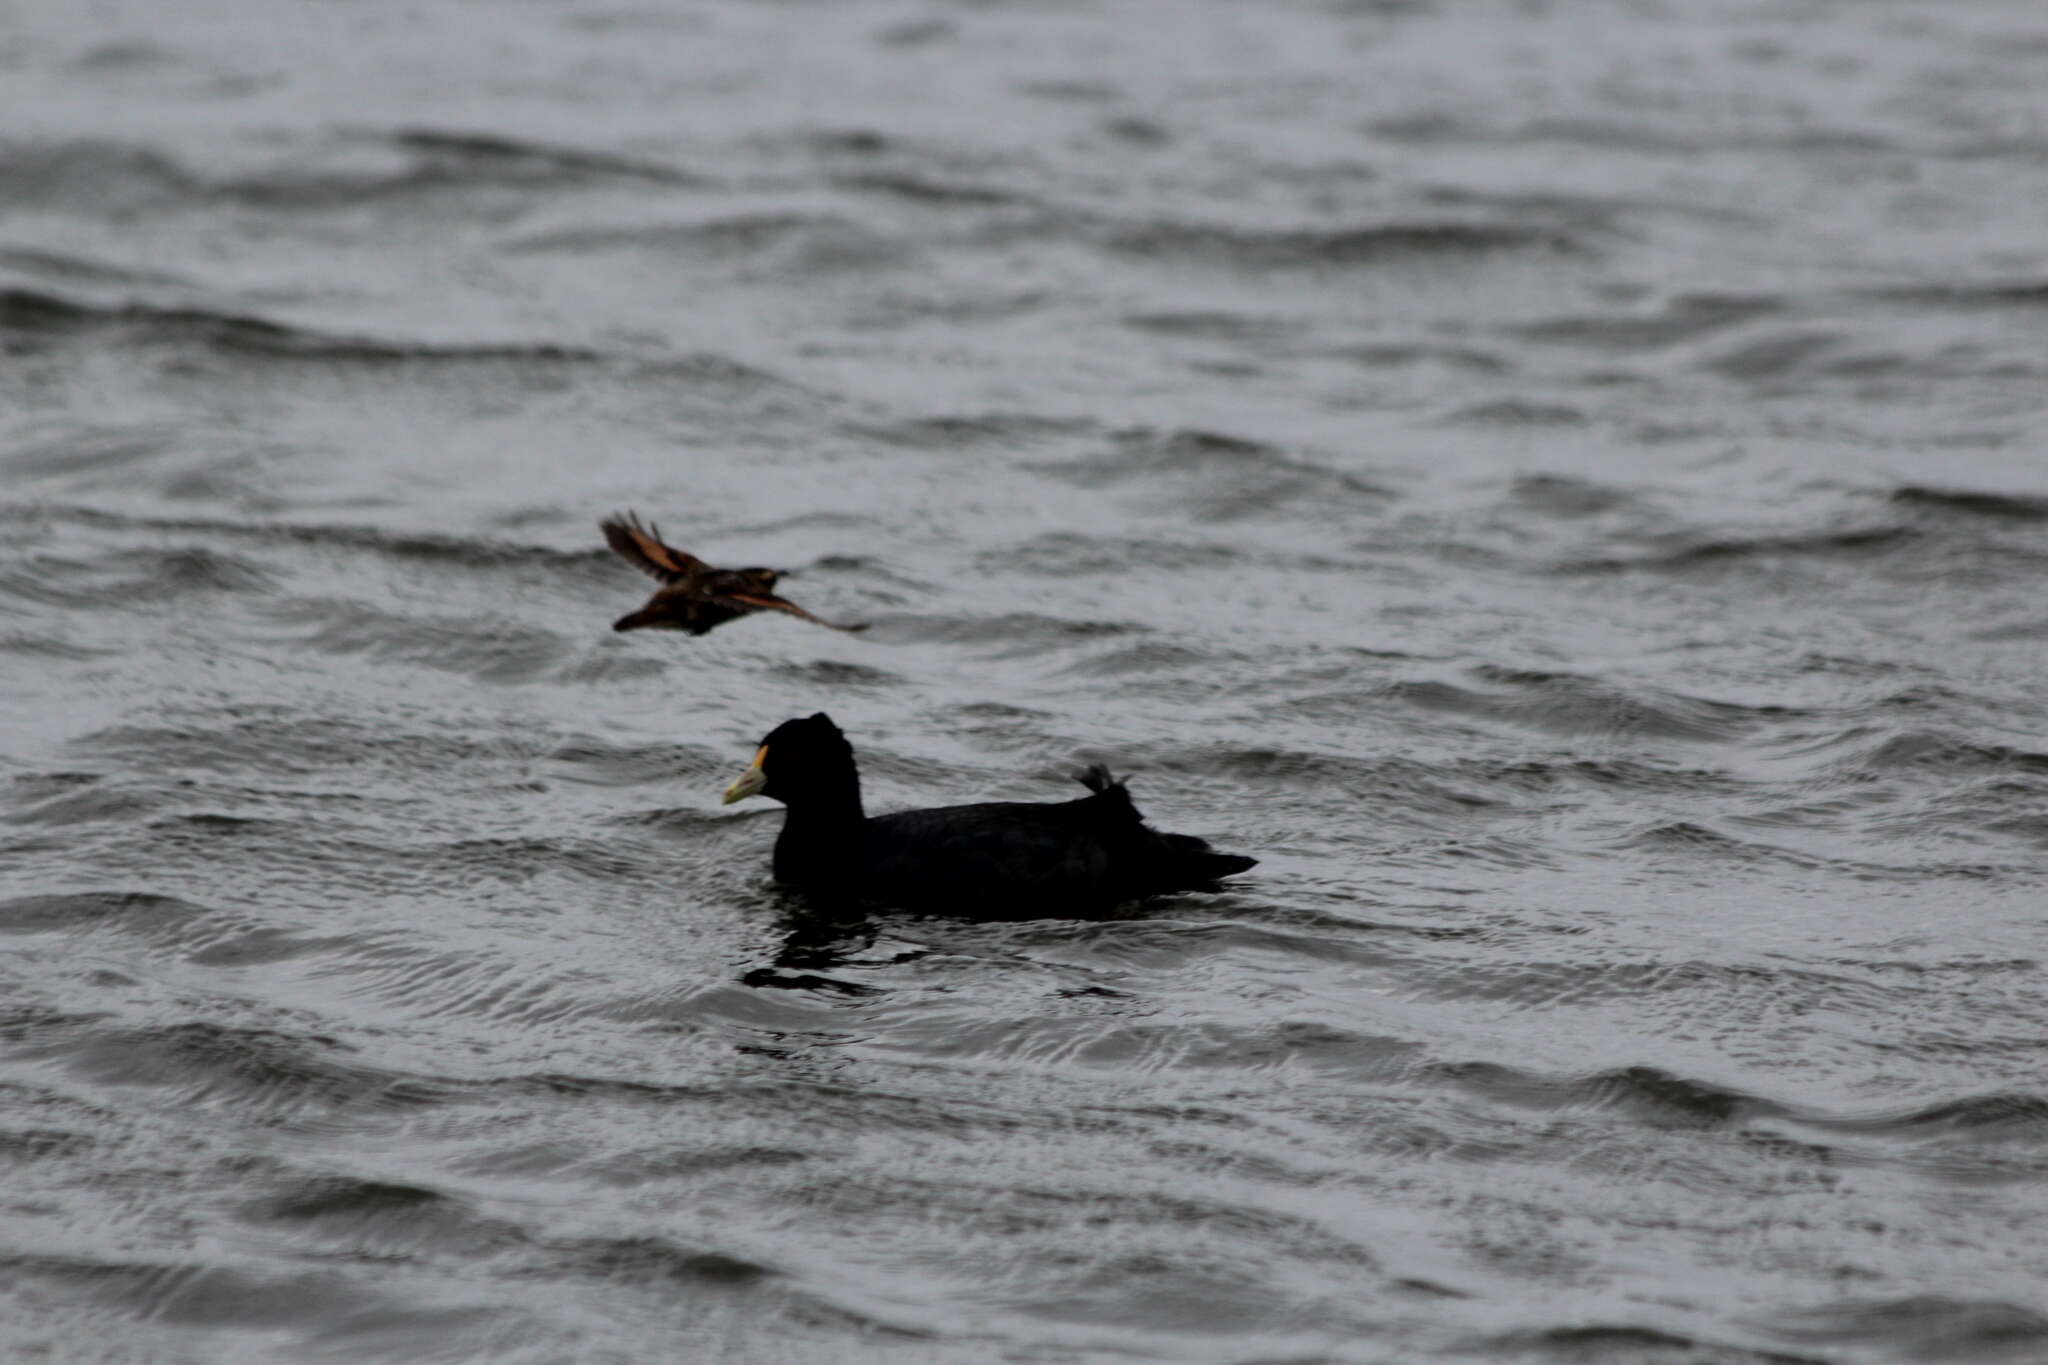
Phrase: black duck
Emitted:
{"points": [[995, 859]]}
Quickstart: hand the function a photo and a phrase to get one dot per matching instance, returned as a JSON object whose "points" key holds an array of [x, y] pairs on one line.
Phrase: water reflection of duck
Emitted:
{"points": [[1000, 859], [693, 596]]}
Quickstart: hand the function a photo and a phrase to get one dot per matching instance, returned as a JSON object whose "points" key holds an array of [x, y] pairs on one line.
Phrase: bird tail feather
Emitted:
{"points": [[1097, 778]]}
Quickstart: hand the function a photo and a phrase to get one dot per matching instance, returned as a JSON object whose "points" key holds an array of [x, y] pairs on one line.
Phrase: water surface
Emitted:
{"points": [[1561, 485]]}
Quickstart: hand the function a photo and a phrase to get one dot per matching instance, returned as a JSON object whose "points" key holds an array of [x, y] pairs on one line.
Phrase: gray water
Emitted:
{"points": [[1561, 484]]}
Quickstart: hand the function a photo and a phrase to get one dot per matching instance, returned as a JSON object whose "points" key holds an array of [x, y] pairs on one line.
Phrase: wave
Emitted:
{"points": [[1685, 317], [98, 910], [1517, 412], [473, 155], [821, 242], [270, 739], [35, 313], [1933, 751], [2008, 1115], [265, 1075], [925, 190], [97, 176], [1538, 982], [50, 647], [1627, 774], [1070, 554], [1404, 791], [1629, 1344], [1691, 549], [835, 676], [1216, 477], [1691, 837], [441, 551], [1925, 1327], [136, 580], [1561, 495], [1576, 704], [596, 762], [1216, 325], [37, 317], [493, 649], [1974, 502], [72, 268], [1938, 1133], [1015, 632], [102, 174], [1324, 248], [359, 1231], [2009, 294], [997, 431]]}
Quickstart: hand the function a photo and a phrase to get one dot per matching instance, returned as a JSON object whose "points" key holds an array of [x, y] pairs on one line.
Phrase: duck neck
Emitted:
{"points": [[821, 834]]}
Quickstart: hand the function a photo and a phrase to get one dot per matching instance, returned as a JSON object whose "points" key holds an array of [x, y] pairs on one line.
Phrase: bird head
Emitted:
{"points": [[796, 756]]}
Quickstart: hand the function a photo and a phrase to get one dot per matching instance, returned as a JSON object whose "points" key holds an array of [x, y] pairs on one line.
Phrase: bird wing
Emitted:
{"points": [[679, 609], [643, 548], [768, 601]]}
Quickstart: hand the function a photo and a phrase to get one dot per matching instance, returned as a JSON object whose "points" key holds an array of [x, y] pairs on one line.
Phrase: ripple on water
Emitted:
{"points": [[1683, 318], [1642, 967], [812, 243], [950, 435], [131, 582], [1691, 550], [500, 650], [1923, 750], [1013, 633], [40, 317], [1588, 706], [1214, 477], [1629, 1344], [2017, 507], [196, 933], [262, 1076], [1368, 245], [258, 738], [1068, 554], [1924, 1327]]}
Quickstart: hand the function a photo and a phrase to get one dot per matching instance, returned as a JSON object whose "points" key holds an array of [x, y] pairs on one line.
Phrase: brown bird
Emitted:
{"points": [[693, 596]]}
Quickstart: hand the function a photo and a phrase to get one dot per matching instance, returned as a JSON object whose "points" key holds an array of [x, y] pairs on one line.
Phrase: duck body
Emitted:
{"points": [[997, 859]]}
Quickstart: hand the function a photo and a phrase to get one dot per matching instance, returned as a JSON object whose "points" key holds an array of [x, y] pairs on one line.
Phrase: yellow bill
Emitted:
{"points": [[751, 781]]}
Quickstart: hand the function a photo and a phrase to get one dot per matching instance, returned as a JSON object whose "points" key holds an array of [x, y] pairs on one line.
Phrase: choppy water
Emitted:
{"points": [[1561, 484]]}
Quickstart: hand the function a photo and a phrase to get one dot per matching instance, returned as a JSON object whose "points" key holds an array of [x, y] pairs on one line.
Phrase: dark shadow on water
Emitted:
{"points": [[817, 939], [821, 935]]}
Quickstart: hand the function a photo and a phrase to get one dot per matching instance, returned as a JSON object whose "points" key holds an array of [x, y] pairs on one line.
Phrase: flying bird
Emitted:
{"points": [[996, 860], [693, 596]]}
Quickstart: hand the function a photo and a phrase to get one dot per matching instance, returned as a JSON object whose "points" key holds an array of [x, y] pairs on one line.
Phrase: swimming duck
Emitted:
{"points": [[996, 859]]}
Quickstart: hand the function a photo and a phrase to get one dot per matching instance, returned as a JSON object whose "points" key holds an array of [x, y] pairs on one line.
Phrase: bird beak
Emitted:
{"points": [[751, 781]]}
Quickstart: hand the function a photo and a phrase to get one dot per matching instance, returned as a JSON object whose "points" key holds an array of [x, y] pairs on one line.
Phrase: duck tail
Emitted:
{"points": [[1110, 792], [1197, 860], [1096, 777]]}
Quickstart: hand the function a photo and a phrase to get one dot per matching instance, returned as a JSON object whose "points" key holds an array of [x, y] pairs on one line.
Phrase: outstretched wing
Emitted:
{"points": [[642, 547], [768, 601], [678, 610]]}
